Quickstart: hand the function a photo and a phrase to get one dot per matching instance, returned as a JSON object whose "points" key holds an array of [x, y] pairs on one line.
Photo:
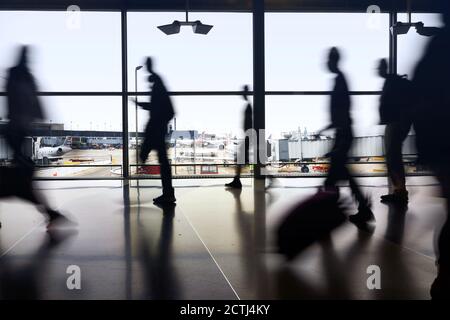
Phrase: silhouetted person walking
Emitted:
{"points": [[395, 113], [431, 122], [161, 112], [248, 125], [23, 106], [341, 121], [23, 109]]}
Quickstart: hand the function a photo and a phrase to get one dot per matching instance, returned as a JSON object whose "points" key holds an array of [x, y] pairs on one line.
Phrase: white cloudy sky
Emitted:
{"points": [[89, 59]]}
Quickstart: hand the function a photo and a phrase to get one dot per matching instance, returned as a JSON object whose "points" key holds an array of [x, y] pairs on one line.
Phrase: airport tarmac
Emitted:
{"points": [[95, 163]]}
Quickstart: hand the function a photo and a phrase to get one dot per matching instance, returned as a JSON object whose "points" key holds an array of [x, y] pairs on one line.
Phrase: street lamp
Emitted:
{"points": [[136, 90], [175, 141]]}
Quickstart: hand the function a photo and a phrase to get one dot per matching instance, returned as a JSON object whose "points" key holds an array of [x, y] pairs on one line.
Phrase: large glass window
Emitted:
{"points": [[219, 61], [205, 127], [296, 149], [67, 143], [203, 135], [66, 57], [297, 45], [290, 114], [411, 46], [87, 58], [80, 136]]}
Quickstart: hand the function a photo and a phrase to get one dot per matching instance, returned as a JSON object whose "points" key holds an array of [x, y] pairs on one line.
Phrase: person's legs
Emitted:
{"points": [[168, 195], [338, 158], [146, 146], [395, 134], [166, 170], [364, 213], [15, 136], [23, 176], [54, 218], [15, 142], [333, 174], [335, 166], [441, 286], [236, 183], [238, 171], [363, 201], [39, 202], [145, 149]]}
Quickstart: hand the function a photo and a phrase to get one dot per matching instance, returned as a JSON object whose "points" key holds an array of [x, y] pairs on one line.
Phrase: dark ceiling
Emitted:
{"points": [[222, 5]]}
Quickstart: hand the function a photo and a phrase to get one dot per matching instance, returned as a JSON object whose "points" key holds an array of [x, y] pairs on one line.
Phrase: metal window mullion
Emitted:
{"points": [[259, 90], [393, 58], [125, 155]]}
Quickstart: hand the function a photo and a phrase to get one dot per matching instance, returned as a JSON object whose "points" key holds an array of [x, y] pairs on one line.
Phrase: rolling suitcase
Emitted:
{"points": [[308, 222]]}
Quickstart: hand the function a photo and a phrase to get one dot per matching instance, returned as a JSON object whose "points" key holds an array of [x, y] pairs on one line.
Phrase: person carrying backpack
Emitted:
{"points": [[395, 114], [161, 112]]}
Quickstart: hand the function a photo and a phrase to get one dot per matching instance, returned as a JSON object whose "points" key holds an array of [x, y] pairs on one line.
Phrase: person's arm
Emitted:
{"points": [[143, 105], [325, 129], [385, 98]]}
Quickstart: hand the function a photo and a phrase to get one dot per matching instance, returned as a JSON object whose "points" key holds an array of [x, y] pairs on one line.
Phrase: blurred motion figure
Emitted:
{"points": [[161, 112], [342, 123], [248, 125], [395, 109], [23, 105], [431, 122], [24, 108]]}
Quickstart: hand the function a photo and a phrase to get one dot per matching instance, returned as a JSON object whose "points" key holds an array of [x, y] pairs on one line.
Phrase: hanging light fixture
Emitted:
{"points": [[403, 27], [197, 26]]}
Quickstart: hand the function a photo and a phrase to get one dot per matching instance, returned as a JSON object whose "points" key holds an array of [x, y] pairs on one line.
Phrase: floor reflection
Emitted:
{"points": [[156, 257], [334, 269], [250, 227], [21, 275], [214, 244]]}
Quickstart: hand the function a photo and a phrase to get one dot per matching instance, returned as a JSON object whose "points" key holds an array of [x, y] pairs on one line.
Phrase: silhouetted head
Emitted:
{"points": [[383, 68], [333, 60], [245, 92], [22, 56], [149, 64]]}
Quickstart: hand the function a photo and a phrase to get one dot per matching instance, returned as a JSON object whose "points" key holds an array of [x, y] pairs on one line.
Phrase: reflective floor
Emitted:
{"points": [[215, 244]]}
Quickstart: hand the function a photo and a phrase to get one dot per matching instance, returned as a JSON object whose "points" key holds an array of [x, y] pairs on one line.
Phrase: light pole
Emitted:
{"points": [[136, 90], [175, 142]]}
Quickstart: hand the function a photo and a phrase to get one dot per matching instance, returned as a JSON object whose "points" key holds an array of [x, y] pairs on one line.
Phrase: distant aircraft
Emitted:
{"points": [[47, 154]]}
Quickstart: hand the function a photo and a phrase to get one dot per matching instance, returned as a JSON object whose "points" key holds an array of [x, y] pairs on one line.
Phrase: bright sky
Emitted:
{"points": [[88, 59]]}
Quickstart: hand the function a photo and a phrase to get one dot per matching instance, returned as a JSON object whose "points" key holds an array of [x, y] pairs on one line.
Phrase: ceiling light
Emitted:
{"points": [[201, 28], [172, 28], [197, 26]]}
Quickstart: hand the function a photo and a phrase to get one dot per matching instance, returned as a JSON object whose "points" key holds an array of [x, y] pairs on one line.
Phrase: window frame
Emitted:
{"points": [[125, 93]]}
